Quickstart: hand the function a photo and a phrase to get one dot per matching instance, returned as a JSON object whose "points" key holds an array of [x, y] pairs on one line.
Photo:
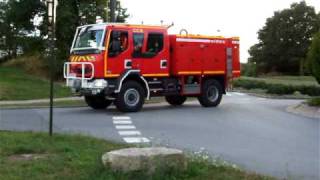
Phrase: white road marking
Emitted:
{"points": [[132, 140], [121, 118], [129, 133], [228, 94], [125, 127], [122, 122]]}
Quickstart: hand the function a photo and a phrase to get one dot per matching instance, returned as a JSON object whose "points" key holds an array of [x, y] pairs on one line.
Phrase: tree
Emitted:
{"points": [[313, 57], [17, 23], [284, 40]]}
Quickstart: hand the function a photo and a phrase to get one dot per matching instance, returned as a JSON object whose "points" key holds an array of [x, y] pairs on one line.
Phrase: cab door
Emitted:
{"points": [[151, 53], [118, 52]]}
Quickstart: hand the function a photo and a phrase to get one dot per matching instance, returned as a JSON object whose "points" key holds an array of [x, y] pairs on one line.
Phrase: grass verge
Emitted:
{"points": [[79, 157], [16, 84]]}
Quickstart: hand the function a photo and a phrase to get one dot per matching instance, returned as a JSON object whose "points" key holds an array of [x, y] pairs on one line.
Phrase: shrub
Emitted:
{"points": [[314, 101], [280, 89]]}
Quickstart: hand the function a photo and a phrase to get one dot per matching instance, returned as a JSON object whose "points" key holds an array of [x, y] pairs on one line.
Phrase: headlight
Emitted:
{"points": [[100, 83]]}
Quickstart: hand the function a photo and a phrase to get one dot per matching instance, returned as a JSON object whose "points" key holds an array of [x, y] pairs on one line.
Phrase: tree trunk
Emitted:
{"points": [[301, 67]]}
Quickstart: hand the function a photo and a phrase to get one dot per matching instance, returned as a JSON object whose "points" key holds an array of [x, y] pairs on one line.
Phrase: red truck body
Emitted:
{"points": [[106, 58]]}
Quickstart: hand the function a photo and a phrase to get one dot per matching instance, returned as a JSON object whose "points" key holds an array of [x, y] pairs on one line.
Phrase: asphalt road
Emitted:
{"points": [[255, 133]]}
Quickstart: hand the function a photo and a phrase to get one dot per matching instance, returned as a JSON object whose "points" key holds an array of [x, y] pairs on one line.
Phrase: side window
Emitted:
{"points": [[155, 43], [118, 43], [138, 43]]}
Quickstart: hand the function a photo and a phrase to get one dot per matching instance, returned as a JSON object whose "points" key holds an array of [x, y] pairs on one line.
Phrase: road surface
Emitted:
{"points": [[255, 133]]}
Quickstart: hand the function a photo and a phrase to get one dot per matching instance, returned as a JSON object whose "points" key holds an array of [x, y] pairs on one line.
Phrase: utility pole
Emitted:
{"points": [[51, 5], [113, 4]]}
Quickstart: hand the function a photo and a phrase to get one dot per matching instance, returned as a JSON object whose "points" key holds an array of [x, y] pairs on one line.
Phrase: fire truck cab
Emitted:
{"points": [[126, 64]]}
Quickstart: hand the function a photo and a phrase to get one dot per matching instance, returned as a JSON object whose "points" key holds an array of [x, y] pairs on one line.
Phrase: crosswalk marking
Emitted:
{"points": [[125, 127], [122, 122], [129, 133], [121, 118], [132, 140]]}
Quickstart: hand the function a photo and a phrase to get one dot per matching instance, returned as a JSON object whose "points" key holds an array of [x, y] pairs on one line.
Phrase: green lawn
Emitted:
{"points": [[79, 157], [15, 84], [287, 80]]}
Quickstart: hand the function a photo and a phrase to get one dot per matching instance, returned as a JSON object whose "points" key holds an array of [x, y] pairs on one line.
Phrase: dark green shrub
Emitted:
{"points": [[280, 89], [314, 101], [249, 84]]}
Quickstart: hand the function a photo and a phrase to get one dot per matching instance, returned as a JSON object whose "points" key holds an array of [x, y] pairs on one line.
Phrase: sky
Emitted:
{"points": [[229, 18]]}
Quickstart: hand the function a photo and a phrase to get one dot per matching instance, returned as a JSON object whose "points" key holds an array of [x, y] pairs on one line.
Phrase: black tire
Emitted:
{"points": [[176, 100], [131, 97], [97, 102], [211, 93]]}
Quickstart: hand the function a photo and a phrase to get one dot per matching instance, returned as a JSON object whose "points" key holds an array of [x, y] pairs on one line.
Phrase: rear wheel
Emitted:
{"points": [[97, 102], [131, 97], [211, 93], [176, 100]]}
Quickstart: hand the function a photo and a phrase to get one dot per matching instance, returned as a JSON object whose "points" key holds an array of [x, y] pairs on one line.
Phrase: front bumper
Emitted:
{"points": [[87, 87], [84, 84]]}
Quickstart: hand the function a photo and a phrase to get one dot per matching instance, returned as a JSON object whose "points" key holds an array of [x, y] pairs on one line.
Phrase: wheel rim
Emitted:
{"points": [[131, 97], [213, 93]]}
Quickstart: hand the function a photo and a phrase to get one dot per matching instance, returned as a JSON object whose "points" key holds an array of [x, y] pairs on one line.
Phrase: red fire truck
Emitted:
{"points": [[126, 64]]}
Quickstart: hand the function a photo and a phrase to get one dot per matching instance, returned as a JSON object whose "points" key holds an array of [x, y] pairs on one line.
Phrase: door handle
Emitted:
{"points": [[163, 64], [127, 64]]}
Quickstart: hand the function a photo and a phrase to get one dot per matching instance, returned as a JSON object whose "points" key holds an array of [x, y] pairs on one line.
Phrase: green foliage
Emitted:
{"points": [[16, 19], [314, 102], [280, 89], [314, 57], [79, 157], [249, 69], [284, 40]]}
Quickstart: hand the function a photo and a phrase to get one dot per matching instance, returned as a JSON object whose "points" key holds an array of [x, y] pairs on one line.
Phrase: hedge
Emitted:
{"points": [[280, 89]]}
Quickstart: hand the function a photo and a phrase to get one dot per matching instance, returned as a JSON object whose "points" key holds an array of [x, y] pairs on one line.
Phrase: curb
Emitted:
{"points": [[304, 110], [22, 102]]}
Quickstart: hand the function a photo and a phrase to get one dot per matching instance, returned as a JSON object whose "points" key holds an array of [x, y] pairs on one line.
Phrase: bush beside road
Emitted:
{"points": [[37, 156], [280, 86], [314, 102]]}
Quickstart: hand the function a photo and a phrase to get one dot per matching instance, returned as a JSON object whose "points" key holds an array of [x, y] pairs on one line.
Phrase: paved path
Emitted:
{"points": [[254, 133]]}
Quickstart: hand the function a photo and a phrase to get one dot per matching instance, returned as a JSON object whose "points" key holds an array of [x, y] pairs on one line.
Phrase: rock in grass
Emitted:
{"points": [[145, 159]]}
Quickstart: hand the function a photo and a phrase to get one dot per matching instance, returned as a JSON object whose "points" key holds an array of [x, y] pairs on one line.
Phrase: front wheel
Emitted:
{"points": [[97, 102], [130, 98], [176, 100], [211, 93]]}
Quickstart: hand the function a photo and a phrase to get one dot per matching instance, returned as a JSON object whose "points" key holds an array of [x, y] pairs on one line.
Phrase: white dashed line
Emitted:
{"points": [[121, 118], [129, 133], [131, 140], [122, 122], [125, 127]]}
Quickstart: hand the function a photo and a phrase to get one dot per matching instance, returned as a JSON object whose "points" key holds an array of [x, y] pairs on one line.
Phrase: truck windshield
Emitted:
{"points": [[89, 37]]}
